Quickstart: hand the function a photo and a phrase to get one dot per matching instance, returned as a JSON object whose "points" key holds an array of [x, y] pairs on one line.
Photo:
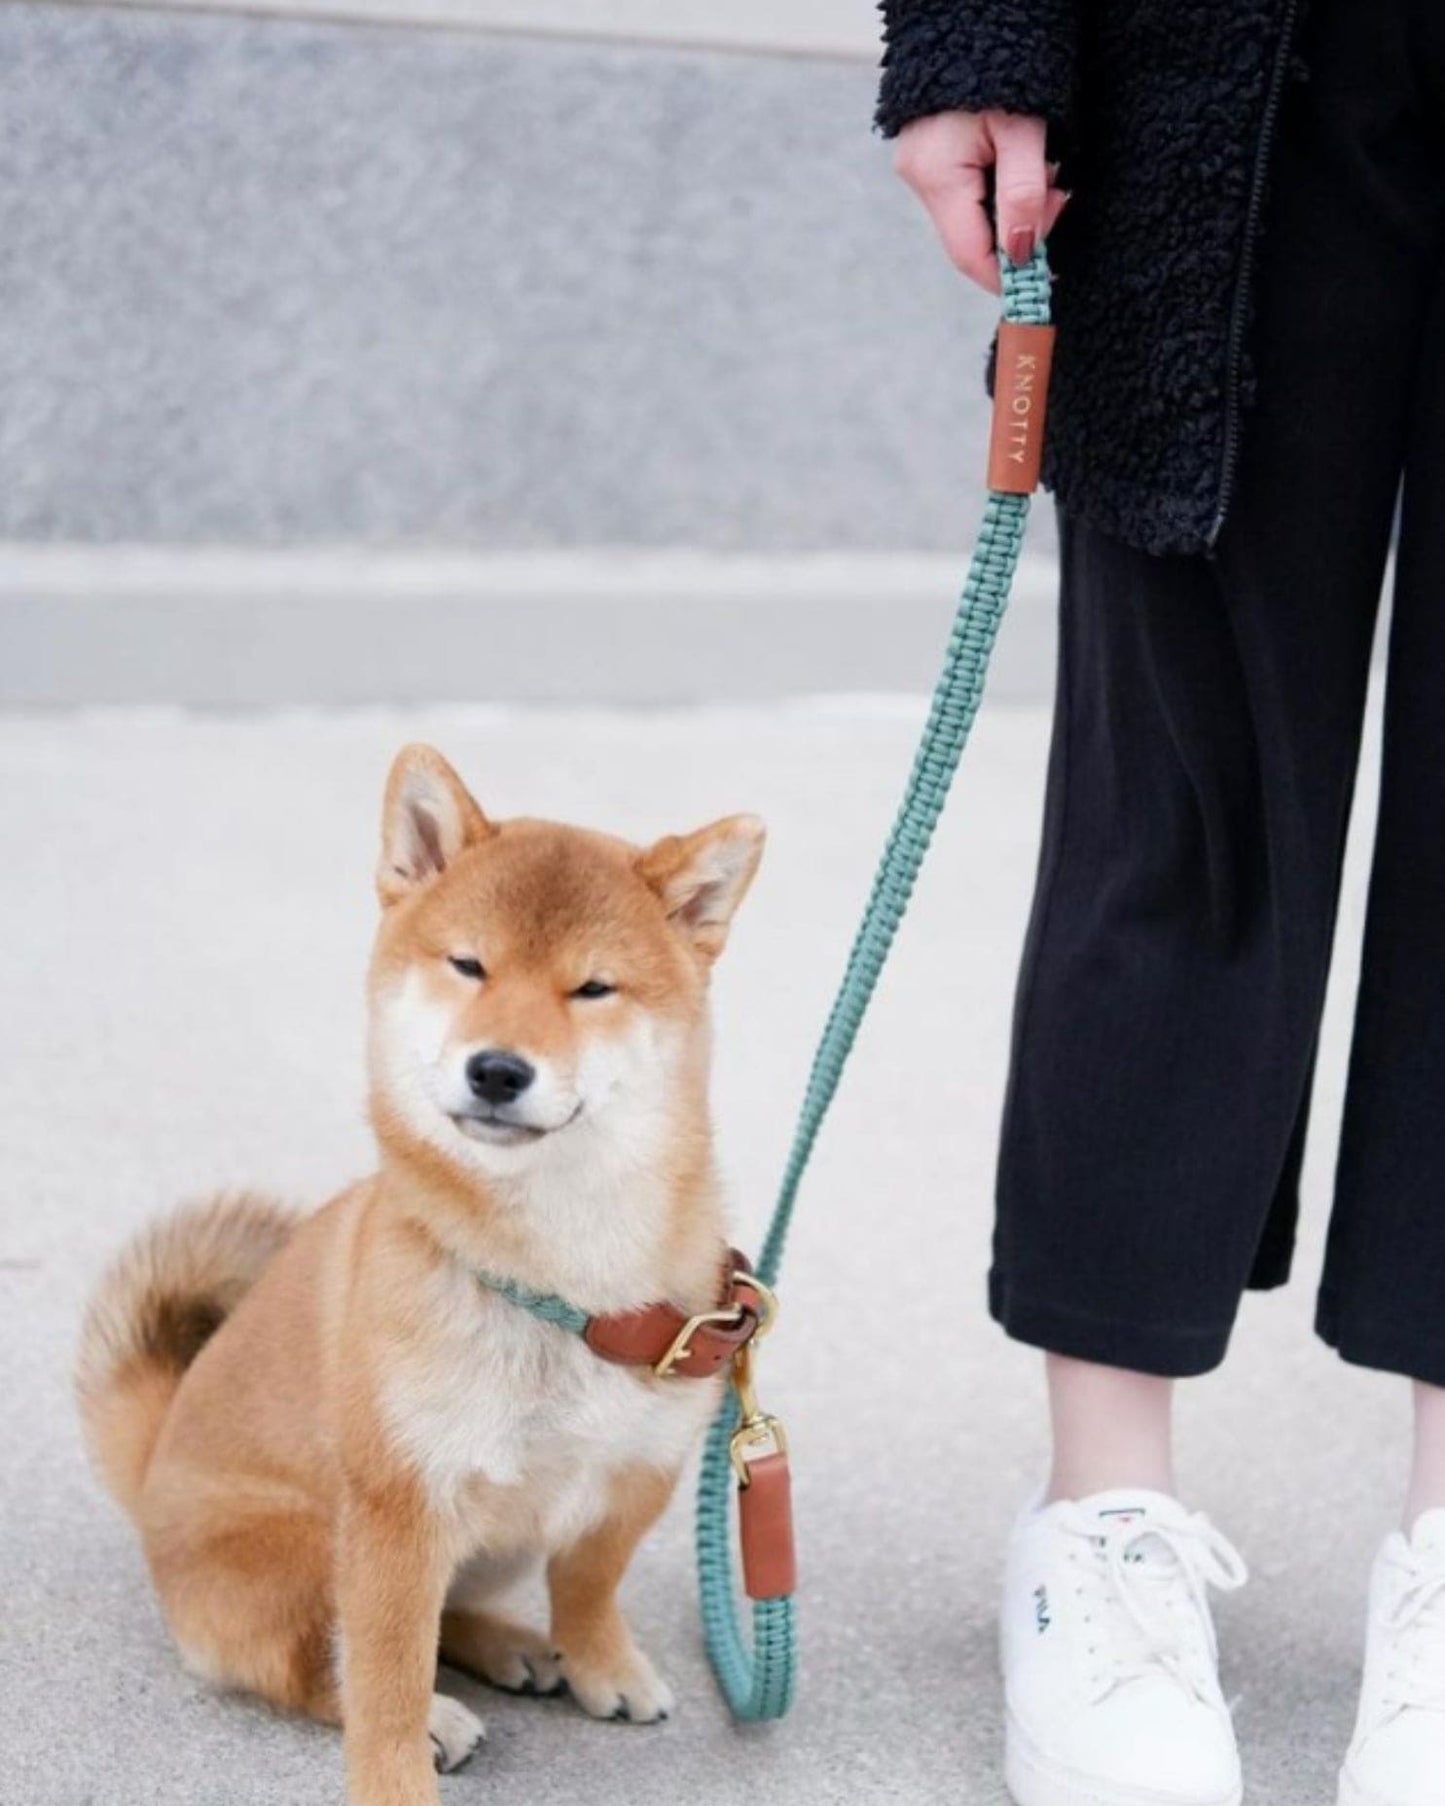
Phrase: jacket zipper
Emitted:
{"points": [[1239, 307]]}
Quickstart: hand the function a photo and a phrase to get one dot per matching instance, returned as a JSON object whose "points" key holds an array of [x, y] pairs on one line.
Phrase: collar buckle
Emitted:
{"points": [[757, 1305], [732, 1317]]}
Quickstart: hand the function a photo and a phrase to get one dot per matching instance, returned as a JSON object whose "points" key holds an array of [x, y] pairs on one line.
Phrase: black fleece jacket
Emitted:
{"points": [[1164, 111]]}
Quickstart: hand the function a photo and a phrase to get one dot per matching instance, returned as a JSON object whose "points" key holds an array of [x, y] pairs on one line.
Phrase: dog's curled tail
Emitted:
{"points": [[163, 1298]]}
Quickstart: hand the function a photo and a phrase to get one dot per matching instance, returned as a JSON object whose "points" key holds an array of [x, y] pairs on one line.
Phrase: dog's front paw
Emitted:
{"points": [[502, 1653], [455, 1732], [628, 1689], [529, 1668]]}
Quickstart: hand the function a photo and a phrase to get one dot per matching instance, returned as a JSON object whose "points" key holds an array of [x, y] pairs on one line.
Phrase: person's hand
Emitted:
{"points": [[944, 159]]}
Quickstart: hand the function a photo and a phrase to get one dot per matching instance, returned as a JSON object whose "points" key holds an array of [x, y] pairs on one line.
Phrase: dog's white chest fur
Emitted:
{"points": [[502, 1397]]}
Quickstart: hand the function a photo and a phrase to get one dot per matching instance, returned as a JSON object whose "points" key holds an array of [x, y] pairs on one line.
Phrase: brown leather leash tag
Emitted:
{"points": [[765, 1528], [758, 1450], [1020, 404]]}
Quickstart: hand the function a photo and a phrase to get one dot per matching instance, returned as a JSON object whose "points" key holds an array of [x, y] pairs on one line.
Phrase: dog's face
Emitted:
{"points": [[535, 986]]}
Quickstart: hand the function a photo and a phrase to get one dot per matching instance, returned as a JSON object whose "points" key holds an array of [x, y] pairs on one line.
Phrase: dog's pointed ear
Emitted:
{"points": [[428, 817], [701, 878]]}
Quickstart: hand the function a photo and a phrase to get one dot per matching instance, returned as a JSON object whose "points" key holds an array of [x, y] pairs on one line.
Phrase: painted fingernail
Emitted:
{"points": [[1020, 244]]}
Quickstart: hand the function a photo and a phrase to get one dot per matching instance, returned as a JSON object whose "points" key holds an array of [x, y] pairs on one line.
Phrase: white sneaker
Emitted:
{"points": [[1109, 1656], [1397, 1754]]}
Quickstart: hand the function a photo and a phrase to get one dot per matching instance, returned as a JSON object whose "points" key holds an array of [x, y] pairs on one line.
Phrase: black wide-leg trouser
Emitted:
{"points": [[1205, 745]]}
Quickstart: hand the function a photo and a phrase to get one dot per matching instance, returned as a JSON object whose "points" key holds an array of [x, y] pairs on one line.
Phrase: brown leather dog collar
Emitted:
{"points": [[660, 1336], [675, 1346]]}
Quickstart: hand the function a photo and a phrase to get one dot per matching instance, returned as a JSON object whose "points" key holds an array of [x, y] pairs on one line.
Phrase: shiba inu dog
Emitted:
{"points": [[338, 1435]]}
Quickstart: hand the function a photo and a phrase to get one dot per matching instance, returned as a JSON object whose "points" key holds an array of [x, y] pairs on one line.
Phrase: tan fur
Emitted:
{"points": [[154, 1310], [337, 1447]]}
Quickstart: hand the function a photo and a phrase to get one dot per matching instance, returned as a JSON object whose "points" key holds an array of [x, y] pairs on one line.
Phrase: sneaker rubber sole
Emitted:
{"points": [[1033, 1780], [1352, 1794]]}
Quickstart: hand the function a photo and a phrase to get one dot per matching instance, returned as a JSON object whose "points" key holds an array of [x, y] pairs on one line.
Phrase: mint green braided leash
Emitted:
{"points": [[758, 1677]]}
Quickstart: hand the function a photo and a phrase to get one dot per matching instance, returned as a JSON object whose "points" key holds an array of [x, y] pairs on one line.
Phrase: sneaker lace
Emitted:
{"points": [[1151, 1580], [1416, 1623]]}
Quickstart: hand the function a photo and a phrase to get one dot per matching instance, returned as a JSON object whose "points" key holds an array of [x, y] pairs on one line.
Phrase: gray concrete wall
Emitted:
{"points": [[344, 287], [275, 282]]}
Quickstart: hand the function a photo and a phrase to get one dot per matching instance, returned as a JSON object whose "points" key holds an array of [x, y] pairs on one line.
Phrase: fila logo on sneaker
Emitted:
{"points": [[1119, 1703], [1126, 1514]]}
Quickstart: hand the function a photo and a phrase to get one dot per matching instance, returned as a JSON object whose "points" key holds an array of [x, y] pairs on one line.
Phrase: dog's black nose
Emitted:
{"points": [[499, 1078]]}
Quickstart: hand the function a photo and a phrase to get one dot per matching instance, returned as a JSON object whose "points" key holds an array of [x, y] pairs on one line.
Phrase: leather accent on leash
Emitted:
{"points": [[1020, 405]]}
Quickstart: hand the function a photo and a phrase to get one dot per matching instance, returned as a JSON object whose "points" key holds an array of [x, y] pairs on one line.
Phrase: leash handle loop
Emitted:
{"points": [[758, 1676]]}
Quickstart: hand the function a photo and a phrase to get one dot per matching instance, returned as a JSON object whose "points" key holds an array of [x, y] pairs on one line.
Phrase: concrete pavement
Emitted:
{"points": [[184, 916]]}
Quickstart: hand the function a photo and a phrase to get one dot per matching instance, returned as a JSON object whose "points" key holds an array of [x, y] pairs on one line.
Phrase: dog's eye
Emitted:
{"points": [[469, 968], [594, 987]]}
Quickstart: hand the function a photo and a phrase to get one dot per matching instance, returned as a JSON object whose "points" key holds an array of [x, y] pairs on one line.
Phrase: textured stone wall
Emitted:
{"points": [[269, 282]]}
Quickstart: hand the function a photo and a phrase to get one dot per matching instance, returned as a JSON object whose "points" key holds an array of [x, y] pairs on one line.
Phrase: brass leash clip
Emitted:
{"points": [[757, 1433]]}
